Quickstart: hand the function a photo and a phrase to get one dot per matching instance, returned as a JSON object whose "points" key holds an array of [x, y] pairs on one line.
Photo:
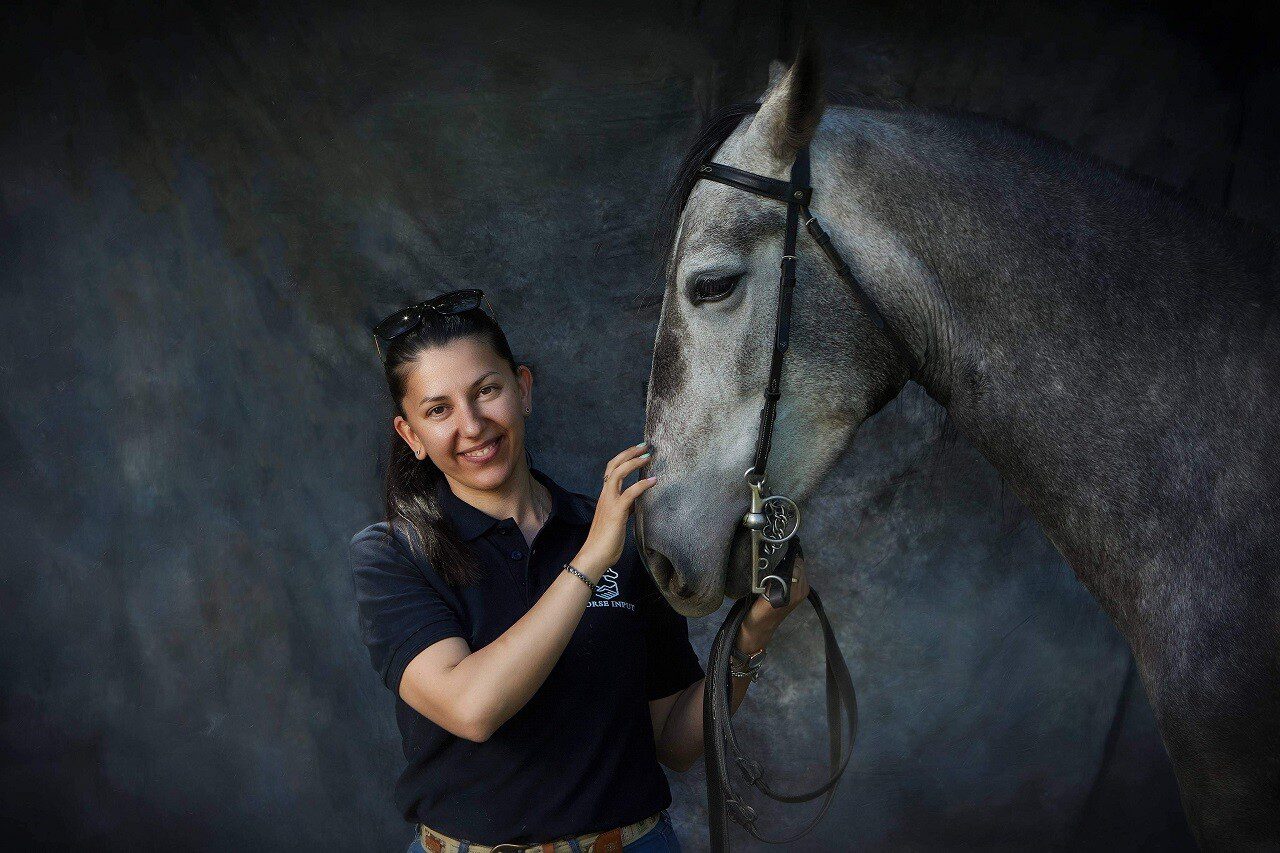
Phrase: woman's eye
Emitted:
{"points": [[432, 412], [714, 289]]}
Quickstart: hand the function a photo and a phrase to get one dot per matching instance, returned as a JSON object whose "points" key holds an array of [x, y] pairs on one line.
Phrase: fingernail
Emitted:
{"points": [[644, 455], [650, 479], [642, 444]]}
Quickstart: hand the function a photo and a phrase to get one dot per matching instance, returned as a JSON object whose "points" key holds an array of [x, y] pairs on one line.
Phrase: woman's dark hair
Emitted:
{"points": [[412, 501]]}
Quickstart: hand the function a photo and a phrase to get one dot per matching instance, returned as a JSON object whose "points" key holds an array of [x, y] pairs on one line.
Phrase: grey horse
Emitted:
{"points": [[1109, 346]]}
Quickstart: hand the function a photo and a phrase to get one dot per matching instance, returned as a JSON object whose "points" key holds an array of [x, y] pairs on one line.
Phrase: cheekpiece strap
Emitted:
{"points": [[797, 198]]}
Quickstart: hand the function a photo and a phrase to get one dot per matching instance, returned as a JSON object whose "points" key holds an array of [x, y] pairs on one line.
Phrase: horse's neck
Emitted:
{"points": [[1109, 348]]}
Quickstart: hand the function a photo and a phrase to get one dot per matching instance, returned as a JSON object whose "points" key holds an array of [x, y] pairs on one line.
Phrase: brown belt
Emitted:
{"points": [[609, 841]]}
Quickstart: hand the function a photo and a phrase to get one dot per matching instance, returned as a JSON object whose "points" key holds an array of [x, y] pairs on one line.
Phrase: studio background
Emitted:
{"points": [[205, 207]]}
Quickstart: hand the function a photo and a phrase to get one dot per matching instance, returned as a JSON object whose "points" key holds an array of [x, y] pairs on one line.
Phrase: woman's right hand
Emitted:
{"points": [[609, 527]]}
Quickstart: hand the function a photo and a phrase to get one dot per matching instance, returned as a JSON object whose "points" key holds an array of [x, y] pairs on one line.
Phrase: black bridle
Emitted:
{"points": [[773, 522], [775, 519]]}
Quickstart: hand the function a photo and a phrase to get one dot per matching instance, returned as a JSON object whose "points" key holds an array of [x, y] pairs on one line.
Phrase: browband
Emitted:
{"points": [[753, 183]]}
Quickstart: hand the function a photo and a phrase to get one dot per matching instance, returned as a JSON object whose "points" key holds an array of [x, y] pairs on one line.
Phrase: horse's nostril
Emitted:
{"points": [[659, 565], [669, 581]]}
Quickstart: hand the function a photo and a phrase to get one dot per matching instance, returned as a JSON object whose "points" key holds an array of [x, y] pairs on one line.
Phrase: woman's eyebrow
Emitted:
{"points": [[446, 396]]}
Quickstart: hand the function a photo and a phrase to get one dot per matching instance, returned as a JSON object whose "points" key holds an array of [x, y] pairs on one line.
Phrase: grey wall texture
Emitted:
{"points": [[203, 209]]}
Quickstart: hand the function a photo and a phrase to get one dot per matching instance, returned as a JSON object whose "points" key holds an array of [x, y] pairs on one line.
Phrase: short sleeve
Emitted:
{"points": [[671, 663], [402, 609]]}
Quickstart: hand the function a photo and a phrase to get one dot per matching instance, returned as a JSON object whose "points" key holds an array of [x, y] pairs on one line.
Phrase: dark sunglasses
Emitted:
{"points": [[407, 319]]}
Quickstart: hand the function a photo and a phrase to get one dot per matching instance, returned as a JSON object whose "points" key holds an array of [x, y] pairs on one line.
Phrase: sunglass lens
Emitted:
{"points": [[458, 301], [397, 324]]}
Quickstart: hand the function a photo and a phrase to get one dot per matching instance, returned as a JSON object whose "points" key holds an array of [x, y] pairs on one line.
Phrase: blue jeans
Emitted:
{"points": [[660, 839]]}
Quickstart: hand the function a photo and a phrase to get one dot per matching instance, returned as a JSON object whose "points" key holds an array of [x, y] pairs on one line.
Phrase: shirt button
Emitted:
{"points": [[517, 554]]}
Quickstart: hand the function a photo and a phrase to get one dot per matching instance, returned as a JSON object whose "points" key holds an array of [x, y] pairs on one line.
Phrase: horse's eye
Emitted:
{"points": [[714, 289]]}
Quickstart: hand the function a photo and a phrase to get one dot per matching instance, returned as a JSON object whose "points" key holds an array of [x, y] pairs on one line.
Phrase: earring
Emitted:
{"points": [[527, 411]]}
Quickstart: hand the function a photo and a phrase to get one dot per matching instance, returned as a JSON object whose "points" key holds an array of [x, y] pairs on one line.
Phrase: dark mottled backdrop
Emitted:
{"points": [[203, 209]]}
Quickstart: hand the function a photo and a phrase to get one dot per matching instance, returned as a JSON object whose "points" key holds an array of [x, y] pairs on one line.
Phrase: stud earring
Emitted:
{"points": [[527, 410]]}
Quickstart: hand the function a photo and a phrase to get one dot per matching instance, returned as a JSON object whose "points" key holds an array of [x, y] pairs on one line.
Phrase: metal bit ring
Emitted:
{"points": [[788, 509]]}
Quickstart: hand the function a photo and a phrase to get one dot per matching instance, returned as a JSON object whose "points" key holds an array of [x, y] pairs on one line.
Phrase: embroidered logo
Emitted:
{"points": [[607, 592], [608, 586]]}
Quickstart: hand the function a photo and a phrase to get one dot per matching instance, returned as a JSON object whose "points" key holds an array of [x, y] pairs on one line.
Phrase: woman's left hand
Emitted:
{"points": [[763, 618]]}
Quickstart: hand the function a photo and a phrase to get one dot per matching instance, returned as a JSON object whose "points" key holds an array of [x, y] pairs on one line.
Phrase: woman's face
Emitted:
{"points": [[461, 398]]}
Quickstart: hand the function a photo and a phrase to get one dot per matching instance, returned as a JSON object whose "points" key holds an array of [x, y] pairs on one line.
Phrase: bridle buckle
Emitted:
{"points": [[742, 814]]}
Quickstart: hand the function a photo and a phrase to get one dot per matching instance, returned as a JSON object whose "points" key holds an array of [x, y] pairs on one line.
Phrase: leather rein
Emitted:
{"points": [[773, 522]]}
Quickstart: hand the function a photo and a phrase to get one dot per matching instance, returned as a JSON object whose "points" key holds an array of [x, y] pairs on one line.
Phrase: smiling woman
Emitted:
{"points": [[539, 675]]}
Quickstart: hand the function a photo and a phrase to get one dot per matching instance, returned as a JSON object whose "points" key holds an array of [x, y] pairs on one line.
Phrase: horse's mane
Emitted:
{"points": [[715, 128]]}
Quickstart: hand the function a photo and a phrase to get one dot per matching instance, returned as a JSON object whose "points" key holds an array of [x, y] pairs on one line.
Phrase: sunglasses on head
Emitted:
{"points": [[407, 319]]}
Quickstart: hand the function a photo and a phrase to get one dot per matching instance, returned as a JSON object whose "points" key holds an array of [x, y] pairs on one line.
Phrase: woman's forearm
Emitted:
{"points": [[681, 743], [496, 681]]}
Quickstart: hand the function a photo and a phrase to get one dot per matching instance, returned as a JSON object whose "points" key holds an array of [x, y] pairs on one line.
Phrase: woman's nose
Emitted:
{"points": [[470, 423]]}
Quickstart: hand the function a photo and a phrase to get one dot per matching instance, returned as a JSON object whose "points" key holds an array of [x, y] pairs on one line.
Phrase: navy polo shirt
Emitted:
{"points": [[579, 756]]}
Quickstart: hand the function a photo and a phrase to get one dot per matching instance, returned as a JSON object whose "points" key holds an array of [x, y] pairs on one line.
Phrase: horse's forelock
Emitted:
{"points": [[716, 128]]}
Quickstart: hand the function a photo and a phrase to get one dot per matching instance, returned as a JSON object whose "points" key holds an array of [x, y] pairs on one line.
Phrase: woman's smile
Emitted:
{"points": [[484, 453]]}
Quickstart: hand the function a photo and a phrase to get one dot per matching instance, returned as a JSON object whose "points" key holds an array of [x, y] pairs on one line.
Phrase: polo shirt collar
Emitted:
{"points": [[471, 522]]}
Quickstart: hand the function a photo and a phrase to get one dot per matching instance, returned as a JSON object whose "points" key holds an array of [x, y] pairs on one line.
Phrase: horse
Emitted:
{"points": [[1110, 346]]}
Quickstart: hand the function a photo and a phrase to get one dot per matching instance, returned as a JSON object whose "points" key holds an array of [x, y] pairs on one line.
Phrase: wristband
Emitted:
{"points": [[580, 576], [744, 666]]}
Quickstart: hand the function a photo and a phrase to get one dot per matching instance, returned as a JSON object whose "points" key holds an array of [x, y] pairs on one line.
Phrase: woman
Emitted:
{"points": [[539, 675]]}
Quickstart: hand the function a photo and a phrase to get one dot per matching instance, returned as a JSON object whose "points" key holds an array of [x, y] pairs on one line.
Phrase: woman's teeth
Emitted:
{"points": [[482, 454]]}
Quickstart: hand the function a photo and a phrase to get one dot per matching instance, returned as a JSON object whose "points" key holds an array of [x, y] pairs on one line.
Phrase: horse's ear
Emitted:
{"points": [[776, 70], [793, 105]]}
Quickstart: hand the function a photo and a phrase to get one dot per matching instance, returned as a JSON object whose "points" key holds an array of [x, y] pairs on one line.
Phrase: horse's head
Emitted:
{"points": [[713, 348]]}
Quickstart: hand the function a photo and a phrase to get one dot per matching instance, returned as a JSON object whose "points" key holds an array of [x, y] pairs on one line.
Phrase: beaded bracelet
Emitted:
{"points": [[581, 576]]}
